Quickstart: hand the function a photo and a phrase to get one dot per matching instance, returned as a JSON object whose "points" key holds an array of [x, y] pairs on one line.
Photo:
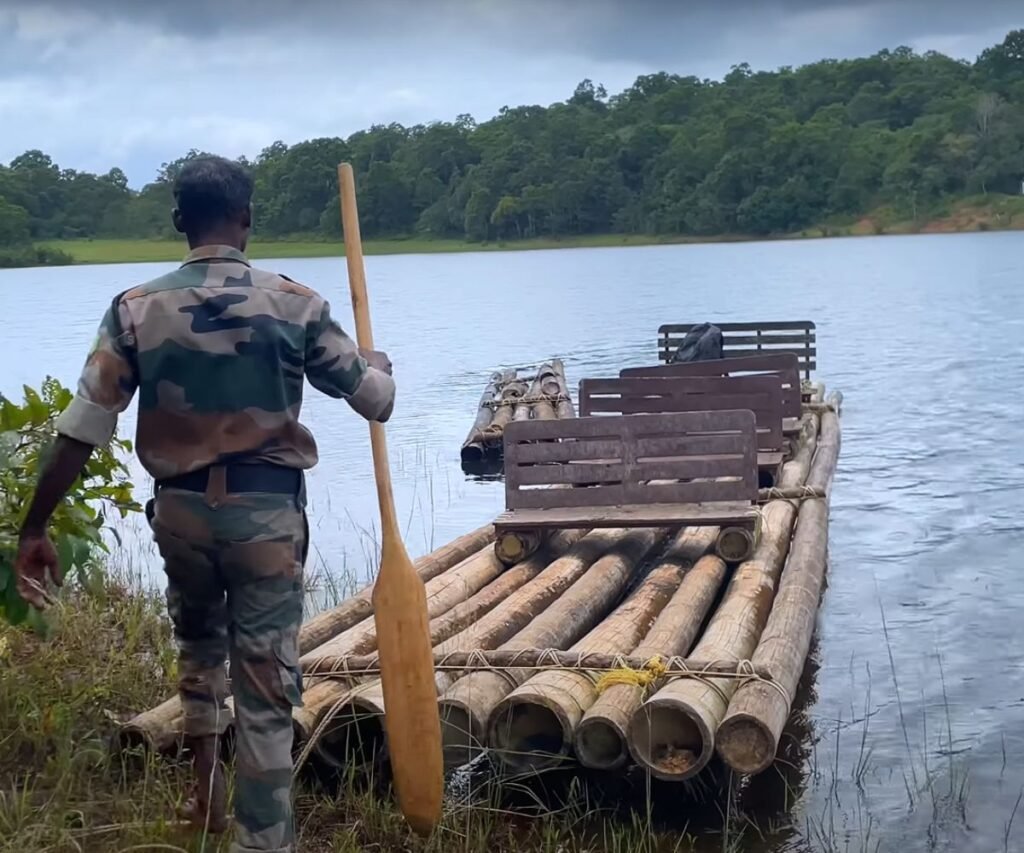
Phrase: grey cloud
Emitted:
{"points": [[134, 83], [631, 30]]}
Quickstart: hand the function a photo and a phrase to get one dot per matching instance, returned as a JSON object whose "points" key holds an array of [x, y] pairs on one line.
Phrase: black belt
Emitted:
{"points": [[241, 478]]}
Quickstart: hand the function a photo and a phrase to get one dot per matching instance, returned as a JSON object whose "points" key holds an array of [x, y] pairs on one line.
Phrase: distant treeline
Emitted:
{"points": [[754, 153]]}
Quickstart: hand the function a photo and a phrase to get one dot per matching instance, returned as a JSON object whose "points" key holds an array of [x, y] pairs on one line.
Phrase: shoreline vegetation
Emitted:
{"points": [[1002, 213], [895, 142]]}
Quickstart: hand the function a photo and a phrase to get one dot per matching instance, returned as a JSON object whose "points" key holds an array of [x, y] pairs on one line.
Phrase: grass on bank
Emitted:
{"points": [[978, 213], [143, 251], [64, 788], [12, 257]]}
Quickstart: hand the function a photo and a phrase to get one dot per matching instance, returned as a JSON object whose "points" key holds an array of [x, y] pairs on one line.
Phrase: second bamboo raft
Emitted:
{"points": [[510, 396]]}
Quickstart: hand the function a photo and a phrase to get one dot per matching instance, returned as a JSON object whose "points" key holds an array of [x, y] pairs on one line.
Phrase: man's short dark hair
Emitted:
{"points": [[210, 191]]}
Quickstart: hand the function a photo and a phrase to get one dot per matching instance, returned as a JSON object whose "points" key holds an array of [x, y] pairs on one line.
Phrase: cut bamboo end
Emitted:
{"points": [[514, 546], [735, 544], [158, 729], [601, 737], [351, 740], [530, 733], [671, 738], [458, 744], [745, 742], [463, 717], [351, 731], [473, 452]]}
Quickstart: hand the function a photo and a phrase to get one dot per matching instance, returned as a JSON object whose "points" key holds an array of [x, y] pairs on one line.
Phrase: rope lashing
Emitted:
{"points": [[526, 400], [650, 672], [745, 670]]}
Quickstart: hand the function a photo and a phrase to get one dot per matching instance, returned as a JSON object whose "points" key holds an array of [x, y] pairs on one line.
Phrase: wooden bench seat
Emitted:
{"points": [[661, 470], [762, 395], [751, 339], [785, 366]]}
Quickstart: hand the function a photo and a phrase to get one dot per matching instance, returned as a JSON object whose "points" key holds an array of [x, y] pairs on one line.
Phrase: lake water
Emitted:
{"points": [[912, 735]]}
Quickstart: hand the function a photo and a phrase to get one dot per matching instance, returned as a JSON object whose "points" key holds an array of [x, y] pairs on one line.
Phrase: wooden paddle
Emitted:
{"points": [[412, 723]]}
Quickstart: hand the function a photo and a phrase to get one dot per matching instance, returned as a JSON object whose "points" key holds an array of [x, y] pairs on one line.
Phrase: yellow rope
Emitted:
{"points": [[651, 671]]}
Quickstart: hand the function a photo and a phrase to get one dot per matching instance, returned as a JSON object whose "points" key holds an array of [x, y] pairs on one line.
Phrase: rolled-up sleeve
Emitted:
{"points": [[335, 367], [107, 383]]}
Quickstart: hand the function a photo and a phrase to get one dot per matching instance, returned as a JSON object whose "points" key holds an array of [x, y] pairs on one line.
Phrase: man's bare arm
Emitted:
{"points": [[66, 463], [36, 563]]}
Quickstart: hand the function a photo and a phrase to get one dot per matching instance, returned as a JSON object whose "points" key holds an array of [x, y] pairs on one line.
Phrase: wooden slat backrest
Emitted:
{"points": [[646, 395], [708, 456], [742, 339], [785, 365]]}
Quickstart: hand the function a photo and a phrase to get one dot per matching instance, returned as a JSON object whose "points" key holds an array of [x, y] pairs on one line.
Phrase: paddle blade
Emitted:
{"points": [[411, 718]]}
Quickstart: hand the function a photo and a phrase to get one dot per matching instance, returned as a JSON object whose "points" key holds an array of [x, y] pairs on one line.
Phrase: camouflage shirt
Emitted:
{"points": [[217, 351]]}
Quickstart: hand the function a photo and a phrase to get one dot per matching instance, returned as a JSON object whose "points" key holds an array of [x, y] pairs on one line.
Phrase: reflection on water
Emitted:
{"points": [[913, 733]]}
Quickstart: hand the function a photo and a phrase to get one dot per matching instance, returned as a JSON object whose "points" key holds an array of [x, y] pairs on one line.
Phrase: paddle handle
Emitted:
{"points": [[364, 337], [354, 255]]}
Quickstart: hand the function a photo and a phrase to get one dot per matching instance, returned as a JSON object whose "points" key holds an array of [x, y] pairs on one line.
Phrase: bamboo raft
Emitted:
{"points": [[599, 645], [510, 398]]}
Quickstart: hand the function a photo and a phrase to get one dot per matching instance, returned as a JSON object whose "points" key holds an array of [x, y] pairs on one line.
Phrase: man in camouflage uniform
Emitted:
{"points": [[217, 351]]}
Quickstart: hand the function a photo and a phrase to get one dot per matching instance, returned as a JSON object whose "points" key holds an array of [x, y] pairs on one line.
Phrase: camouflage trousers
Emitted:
{"points": [[234, 590]]}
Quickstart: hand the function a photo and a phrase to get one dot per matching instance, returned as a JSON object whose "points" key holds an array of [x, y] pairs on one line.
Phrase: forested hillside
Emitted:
{"points": [[754, 153]]}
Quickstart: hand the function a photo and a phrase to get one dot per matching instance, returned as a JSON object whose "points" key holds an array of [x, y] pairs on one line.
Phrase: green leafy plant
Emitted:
{"points": [[26, 435]]}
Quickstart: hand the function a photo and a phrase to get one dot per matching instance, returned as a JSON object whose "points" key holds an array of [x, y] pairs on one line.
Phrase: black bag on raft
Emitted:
{"points": [[702, 343]]}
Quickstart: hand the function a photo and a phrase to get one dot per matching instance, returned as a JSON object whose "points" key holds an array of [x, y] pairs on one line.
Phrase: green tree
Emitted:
{"points": [[756, 152], [14, 224]]}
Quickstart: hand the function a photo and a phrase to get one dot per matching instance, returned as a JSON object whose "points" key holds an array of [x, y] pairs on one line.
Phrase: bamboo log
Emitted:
{"points": [[324, 626], [526, 408], [791, 493], [794, 472], [497, 626], [827, 455], [336, 738], [467, 705], [672, 733], [545, 389], [511, 546], [600, 738], [543, 660], [748, 736], [473, 446], [533, 726], [563, 408], [735, 544], [514, 390], [818, 408], [160, 728], [443, 593], [523, 410]]}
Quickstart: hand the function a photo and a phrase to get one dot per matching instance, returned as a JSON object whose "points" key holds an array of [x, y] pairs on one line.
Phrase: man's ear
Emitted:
{"points": [[247, 216], [176, 220]]}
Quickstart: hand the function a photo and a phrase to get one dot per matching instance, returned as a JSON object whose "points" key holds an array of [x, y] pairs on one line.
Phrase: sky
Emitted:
{"points": [[136, 83]]}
